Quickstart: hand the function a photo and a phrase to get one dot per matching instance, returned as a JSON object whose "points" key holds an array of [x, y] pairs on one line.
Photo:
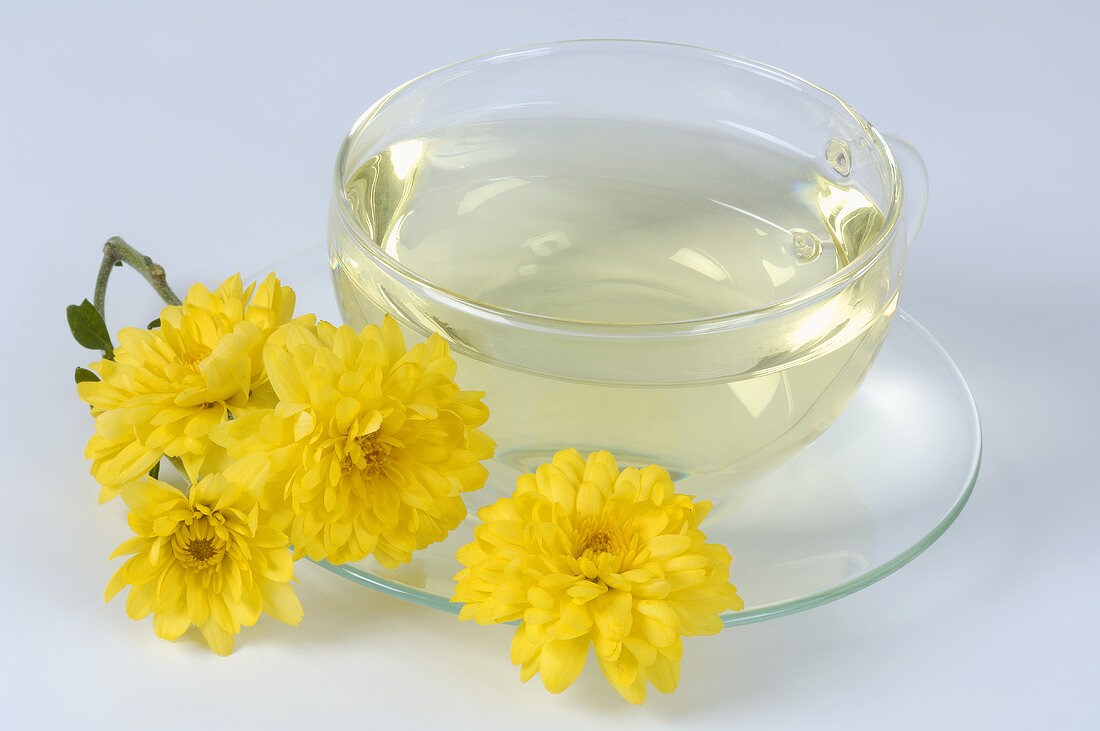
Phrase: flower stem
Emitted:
{"points": [[116, 251]]}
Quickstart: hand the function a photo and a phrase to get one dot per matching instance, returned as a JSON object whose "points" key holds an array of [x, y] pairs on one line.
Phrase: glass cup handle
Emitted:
{"points": [[914, 178]]}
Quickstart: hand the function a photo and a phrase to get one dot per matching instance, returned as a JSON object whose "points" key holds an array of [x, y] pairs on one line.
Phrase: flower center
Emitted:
{"points": [[201, 549], [192, 357], [594, 536], [366, 453], [197, 546]]}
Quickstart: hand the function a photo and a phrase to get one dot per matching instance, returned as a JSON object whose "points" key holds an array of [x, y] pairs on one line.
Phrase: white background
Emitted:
{"points": [[205, 133]]}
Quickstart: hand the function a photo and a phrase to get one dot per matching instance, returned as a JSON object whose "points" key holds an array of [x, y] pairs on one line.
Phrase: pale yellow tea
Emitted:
{"points": [[606, 221]]}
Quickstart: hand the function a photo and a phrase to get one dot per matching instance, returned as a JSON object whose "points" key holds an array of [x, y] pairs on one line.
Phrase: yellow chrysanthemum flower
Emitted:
{"points": [[168, 386], [371, 445], [210, 559], [588, 556]]}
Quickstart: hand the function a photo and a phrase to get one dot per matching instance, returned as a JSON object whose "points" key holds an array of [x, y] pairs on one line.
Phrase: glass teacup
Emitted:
{"points": [[684, 257]]}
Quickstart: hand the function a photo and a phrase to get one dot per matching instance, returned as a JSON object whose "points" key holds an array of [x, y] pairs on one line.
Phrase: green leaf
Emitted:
{"points": [[83, 374], [88, 328], [155, 472], [154, 323]]}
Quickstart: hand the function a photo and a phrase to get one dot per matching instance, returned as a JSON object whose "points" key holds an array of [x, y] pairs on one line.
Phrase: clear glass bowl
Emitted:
{"points": [[685, 374]]}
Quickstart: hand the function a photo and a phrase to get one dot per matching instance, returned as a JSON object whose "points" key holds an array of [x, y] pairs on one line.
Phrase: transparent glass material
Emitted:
{"points": [[683, 257], [858, 503]]}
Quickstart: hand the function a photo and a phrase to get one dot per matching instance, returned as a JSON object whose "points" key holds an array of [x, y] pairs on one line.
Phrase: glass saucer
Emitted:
{"points": [[868, 496]]}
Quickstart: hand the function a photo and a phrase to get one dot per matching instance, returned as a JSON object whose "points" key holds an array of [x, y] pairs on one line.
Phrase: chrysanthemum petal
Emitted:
{"points": [[523, 649], [621, 672], [140, 600], [281, 602], [219, 640], [279, 566], [664, 547], [130, 545], [635, 692], [529, 669], [251, 473], [561, 661], [645, 652], [171, 622], [664, 673], [659, 611], [116, 583], [589, 499], [109, 492], [586, 590]]}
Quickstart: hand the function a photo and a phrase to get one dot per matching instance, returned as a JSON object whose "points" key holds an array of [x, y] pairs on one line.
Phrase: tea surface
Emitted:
{"points": [[607, 221]]}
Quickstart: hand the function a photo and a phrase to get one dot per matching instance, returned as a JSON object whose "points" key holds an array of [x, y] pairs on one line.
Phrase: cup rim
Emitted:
{"points": [[821, 290]]}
